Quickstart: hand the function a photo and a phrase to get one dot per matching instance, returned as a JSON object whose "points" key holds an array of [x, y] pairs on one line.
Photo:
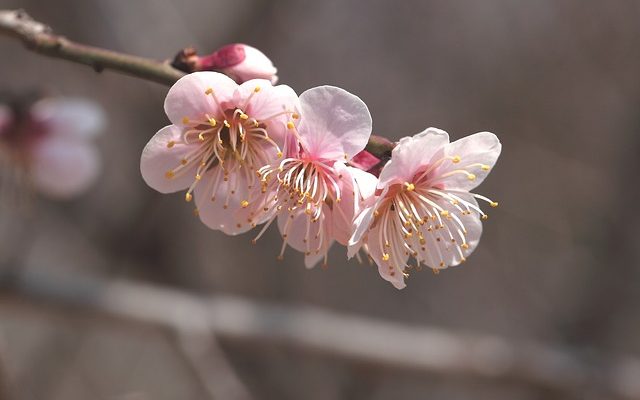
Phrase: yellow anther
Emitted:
{"points": [[444, 213], [464, 246], [295, 115], [244, 116], [471, 177], [244, 204], [485, 167], [188, 197], [213, 122], [170, 144], [226, 123], [436, 271], [198, 177], [290, 125], [376, 213], [201, 137], [185, 120], [279, 154], [494, 204], [338, 200], [184, 161], [256, 89], [208, 91], [484, 217], [462, 260], [385, 257], [409, 187], [455, 159], [169, 174]]}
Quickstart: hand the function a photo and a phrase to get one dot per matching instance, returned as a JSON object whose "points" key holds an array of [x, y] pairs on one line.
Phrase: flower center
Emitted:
{"points": [[230, 143], [300, 185]]}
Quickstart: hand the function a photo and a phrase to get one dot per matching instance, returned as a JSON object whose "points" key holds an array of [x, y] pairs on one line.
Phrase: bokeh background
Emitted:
{"points": [[557, 81]]}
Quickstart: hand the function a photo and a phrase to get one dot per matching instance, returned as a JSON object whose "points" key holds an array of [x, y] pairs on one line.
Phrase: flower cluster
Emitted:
{"points": [[254, 153], [48, 145]]}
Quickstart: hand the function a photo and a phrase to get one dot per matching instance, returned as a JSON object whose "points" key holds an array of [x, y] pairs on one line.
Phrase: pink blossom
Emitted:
{"points": [[52, 143], [314, 194], [425, 209], [240, 62], [221, 134]]}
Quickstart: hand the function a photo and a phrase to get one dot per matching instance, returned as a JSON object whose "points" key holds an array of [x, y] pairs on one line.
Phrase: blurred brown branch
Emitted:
{"points": [[39, 38], [361, 339]]}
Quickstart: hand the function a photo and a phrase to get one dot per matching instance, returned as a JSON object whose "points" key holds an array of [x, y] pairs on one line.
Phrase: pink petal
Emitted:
{"points": [[335, 124], [482, 148], [230, 219], [64, 168], [158, 158], [366, 183], [272, 105], [188, 98], [305, 236], [394, 275], [411, 154], [74, 117], [360, 227]]}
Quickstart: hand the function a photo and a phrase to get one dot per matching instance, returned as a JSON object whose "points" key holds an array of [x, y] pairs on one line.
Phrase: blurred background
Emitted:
{"points": [[557, 81]]}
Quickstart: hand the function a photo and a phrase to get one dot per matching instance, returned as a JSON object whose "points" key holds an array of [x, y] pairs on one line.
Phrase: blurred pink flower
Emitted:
{"points": [[52, 142], [221, 134], [425, 209], [240, 62], [313, 192]]}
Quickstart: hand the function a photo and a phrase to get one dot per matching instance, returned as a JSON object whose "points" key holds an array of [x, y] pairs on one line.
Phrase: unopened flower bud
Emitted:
{"points": [[238, 61]]}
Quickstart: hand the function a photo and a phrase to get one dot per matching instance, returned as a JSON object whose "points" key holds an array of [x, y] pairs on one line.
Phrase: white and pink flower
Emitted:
{"points": [[425, 209], [50, 144], [313, 192], [221, 134]]}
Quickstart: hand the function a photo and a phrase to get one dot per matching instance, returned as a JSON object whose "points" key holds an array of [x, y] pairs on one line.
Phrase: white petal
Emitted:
{"points": [[187, 97], [157, 158], [64, 168], [411, 154], [335, 124], [73, 117], [479, 149]]}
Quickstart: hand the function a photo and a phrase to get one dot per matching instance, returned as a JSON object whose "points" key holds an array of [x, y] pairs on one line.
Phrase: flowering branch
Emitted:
{"points": [[39, 38]]}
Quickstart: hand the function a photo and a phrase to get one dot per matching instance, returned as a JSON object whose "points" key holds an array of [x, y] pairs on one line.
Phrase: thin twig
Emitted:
{"points": [[39, 38], [364, 340]]}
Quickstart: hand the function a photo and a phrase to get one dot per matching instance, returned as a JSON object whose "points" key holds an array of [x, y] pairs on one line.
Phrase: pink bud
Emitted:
{"points": [[240, 62]]}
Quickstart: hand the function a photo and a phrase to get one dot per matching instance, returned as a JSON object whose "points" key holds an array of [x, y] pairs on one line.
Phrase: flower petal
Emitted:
{"points": [[335, 124], [388, 273], [478, 154], [411, 154], [271, 105], [360, 227], [299, 232], [188, 98], [73, 117], [225, 212], [158, 158], [62, 167]]}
